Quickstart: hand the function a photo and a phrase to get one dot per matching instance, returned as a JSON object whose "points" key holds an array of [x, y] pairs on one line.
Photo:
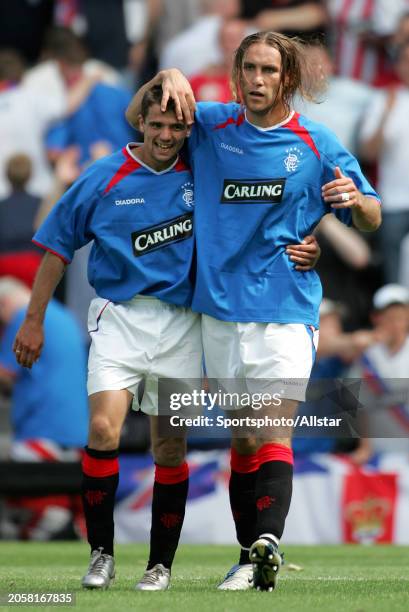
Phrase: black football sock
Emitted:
{"points": [[273, 488], [100, 476], [168, 512], [242, 487]]}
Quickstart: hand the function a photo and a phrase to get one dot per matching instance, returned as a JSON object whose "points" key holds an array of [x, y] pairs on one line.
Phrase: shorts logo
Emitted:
{"points": [[248, 191], [157, 236], [292, 160], [188, 194]]}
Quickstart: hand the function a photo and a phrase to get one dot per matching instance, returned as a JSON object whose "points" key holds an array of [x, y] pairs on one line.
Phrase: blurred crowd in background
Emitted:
{"points": [[68, 69]]}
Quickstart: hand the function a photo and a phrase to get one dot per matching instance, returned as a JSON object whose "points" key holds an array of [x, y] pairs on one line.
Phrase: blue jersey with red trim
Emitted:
{"points": [[141, 222], [258, 190]]}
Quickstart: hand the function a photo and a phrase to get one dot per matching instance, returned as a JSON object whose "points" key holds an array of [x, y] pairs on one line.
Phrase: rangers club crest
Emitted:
{"points": [[188, 194], [291, 162]]}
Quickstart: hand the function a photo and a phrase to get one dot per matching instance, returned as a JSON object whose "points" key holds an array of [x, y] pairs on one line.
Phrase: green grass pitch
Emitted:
{"points": [[334, 578]]}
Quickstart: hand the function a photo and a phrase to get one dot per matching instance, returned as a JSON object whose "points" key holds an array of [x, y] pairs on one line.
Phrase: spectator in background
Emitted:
{"points": [[213, 83], [198, 46], [174, 18], [18, 256], [49, 407], [202, 39], [360, 31], [343, 103], [25, 116], [129, 25], [384, 369], [99, 118], [306, 19], [46, 76], [336, 351], [347, 255], [123, 23], [385, 138]]}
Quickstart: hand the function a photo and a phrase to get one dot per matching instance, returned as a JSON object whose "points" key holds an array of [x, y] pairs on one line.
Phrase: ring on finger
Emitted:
{"points": [[345, 196]]}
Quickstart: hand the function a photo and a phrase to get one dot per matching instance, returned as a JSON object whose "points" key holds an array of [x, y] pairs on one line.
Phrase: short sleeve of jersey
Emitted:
{"points": [[67, 226], [207, 116], [334, 154], [373, 116]]}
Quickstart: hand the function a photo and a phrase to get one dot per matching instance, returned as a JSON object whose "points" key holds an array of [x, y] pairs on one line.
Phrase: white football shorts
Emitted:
{"points": [[142, 339], [259, 357]]}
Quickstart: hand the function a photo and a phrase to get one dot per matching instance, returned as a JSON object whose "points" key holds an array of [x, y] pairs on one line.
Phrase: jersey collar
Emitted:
{"points": [[129, 150], [270, 127]]}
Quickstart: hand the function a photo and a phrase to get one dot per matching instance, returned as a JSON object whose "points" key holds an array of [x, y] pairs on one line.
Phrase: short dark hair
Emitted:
{"points": [[154, 96], [18, 170], [62, 44]]}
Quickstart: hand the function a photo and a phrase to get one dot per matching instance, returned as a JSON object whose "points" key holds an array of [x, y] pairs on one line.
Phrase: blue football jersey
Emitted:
{"points": [[141, 222], [258, 190]]}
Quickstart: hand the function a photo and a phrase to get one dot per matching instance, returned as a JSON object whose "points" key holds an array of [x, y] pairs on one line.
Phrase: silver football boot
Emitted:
{"points": [[155, 579], [101, 571], [239, 578]]}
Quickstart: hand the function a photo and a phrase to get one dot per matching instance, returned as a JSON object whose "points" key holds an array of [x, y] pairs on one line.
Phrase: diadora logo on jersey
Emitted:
{"points": [[232, 149], [247, 191], [188, 194], [157, 236], [291, 162], [129, 201]]}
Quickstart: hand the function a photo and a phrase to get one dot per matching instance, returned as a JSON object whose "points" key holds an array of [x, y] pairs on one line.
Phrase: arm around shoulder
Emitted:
{"points": [[176, 86]]}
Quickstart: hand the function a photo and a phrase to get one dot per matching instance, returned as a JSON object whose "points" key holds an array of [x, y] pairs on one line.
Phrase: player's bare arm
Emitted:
{"points": [[306, 254], [29, 339], [175, 85], [343, 193]]}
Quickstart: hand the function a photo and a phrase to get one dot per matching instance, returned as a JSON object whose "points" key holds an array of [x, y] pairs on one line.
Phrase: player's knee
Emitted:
{"points": [[103, 434], [245, 446], [170, 453], [284, 441]]}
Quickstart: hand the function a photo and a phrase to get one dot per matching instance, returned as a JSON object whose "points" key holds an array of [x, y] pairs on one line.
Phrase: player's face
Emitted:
{"points": [[163, 137], [260, 84], [393, 322]]}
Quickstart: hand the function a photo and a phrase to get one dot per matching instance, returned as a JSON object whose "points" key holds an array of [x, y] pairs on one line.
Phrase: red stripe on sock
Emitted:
{"points": [[171, 475], [243, 464], [99, 468], [275, 452]]}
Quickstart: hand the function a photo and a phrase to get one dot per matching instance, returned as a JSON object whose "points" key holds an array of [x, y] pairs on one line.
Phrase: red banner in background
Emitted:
{"points": [[369, 507]]}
